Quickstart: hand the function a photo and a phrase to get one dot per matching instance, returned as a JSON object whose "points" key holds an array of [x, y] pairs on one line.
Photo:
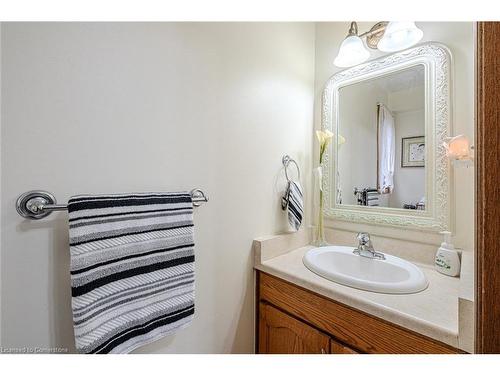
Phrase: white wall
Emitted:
{"points": [[358, 125], [95, 108], [458, 36], [409, 182]]}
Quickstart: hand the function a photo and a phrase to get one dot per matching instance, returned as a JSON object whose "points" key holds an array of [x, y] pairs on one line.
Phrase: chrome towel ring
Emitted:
{"points": [[286, 160]]}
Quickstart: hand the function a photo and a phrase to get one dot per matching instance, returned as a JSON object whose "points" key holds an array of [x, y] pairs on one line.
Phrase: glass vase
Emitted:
{"points": [[319, 236]]}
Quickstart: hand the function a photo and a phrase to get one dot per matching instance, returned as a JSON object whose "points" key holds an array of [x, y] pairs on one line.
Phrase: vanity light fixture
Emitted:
{"points": [[384, 36], [459, 150]]}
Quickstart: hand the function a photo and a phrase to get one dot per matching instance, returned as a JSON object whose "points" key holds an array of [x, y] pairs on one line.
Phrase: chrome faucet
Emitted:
{"points": [[365, 247]]}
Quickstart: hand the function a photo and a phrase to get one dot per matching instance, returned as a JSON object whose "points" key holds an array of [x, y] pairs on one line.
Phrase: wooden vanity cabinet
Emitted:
{"points": [[280, 333], [293, 320]]}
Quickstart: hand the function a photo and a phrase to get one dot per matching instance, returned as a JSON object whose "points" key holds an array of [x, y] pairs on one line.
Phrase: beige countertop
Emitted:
{"points": [[433, 312]]}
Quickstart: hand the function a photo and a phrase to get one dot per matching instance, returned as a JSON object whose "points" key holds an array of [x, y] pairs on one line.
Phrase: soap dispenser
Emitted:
{"points": [[447, 260]]}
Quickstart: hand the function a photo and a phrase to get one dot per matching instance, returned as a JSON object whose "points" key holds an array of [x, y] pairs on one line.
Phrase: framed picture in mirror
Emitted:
{"points": [[413, 152]]}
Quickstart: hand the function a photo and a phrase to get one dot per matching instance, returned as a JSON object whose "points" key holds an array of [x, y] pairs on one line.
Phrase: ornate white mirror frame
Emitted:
{"points": [[436, 59]]}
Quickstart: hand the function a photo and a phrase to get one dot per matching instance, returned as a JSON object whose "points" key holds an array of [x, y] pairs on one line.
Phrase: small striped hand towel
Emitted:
{"points": [[372, 197], [294, 205], [132, 268]]}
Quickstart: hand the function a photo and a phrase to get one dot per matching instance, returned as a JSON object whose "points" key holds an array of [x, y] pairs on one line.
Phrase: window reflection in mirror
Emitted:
{"points": [[381, 141]]}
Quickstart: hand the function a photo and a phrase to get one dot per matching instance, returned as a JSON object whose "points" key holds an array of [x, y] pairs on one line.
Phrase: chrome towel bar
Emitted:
{"points": [[37, 204]]}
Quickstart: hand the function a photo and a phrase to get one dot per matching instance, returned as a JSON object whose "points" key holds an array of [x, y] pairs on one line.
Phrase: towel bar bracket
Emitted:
{"points": [[198, 197], [37, 204]]}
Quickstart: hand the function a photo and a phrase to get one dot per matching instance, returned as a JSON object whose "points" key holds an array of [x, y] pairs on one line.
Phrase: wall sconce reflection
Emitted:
{"points": [[459, 151]]}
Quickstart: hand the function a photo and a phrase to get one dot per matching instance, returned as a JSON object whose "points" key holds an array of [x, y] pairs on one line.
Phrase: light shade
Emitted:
{"points": [[458, 148], [352, 52], [399, 35]]}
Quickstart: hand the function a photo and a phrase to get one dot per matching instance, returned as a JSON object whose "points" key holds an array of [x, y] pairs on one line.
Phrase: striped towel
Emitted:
{"points": [[372, 197], [293, 202], [132, 268]]}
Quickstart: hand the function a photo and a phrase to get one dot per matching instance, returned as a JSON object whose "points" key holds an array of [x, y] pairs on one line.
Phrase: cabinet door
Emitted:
{"points": [[338, 348], [279, 333]]}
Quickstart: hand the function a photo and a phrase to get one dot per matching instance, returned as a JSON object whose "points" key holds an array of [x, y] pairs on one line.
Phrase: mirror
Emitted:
{"points": [[383, 163], [390, 117]]}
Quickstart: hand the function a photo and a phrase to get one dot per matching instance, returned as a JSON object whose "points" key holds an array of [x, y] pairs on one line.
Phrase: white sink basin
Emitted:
{"points": [[392, 275]]}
